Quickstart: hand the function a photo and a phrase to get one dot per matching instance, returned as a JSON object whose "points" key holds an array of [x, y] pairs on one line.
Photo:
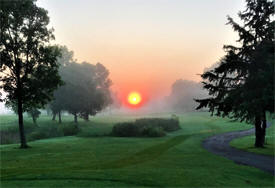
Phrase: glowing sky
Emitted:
{"points": [[146, 44]]}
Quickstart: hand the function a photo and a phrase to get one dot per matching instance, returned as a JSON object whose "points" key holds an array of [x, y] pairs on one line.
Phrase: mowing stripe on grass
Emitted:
{"points": [[147, 154]]}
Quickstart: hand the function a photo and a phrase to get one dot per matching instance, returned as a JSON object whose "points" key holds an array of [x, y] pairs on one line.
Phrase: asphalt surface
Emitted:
{"points": [[219, 145]]}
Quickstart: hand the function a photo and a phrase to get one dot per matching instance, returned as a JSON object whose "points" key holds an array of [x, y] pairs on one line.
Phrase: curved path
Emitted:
{"points": [[219, 144]]}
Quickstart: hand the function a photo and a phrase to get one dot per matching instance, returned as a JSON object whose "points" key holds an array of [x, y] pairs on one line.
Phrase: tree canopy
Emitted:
{"points": [[29, 70], [241, 86], [88, 83]]}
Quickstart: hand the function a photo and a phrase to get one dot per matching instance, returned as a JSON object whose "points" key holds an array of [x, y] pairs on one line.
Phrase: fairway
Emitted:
{"points": [[98, 160]]}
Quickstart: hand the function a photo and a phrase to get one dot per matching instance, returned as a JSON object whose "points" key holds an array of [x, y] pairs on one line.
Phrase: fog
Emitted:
{"points": [[180, 100]]}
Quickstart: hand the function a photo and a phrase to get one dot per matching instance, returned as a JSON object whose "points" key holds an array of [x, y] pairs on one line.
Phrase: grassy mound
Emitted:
{"points": [[146, 127]]}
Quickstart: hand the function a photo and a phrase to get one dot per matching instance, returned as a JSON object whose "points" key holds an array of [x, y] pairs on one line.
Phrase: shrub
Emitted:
{"points": [[146, 127], [45, 132], [70, 129], [153, 131], [9, 137], [126, 129], [166, 124], [37, 135], [94, 131]]}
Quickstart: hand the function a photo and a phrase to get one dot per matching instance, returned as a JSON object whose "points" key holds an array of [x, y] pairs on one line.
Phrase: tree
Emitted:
{"points": [[58, 104], [182, 95], [241, 86], [97, 93], [29, 72], [89, 84], [86, 89], [34, 113]]}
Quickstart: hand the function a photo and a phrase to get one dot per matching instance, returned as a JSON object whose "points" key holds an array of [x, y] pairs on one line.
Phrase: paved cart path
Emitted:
{"points": [[219, 144]]}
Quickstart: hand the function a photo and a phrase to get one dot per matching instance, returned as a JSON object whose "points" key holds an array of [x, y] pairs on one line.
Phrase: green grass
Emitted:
{"points": [[176, 160], [247, 143]]}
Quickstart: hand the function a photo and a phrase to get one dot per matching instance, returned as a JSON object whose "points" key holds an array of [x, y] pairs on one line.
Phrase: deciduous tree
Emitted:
{"points": [[29, 71]]}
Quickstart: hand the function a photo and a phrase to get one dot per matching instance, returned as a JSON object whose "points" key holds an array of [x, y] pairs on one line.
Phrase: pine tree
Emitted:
{"points": [[242, 87]]}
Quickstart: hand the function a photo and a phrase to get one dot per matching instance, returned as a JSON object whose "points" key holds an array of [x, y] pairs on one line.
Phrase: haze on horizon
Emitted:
{"points": [[147, 45]]}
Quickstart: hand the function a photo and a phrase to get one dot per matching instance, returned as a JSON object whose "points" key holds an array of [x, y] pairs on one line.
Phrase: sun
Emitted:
{"points": [[134, 98]]}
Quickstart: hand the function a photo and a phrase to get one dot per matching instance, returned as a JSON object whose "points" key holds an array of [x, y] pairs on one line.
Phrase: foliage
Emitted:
{"points": [[126, 129], [25, 52], [167, 125], [70, 129], [87, 83], [37, 135], [151, 127], [152, 131], [52, 131], [29, 71], [241, 85], [60, 95], [34, 113], [8, 137]]}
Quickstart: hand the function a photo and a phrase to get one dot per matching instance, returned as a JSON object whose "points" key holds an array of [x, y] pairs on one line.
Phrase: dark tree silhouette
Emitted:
{"points": [[241, 86], [29, 72]]}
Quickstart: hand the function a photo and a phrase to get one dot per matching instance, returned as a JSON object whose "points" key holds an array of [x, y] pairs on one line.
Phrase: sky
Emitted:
{"points": [[145, 44]]}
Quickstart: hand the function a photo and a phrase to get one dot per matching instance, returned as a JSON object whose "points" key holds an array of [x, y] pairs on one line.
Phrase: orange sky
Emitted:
{"points": [[146, 45]]}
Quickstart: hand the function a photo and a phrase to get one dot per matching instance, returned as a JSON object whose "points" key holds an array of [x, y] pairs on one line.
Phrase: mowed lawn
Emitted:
{"points": [[95, 160], [247, 142]]}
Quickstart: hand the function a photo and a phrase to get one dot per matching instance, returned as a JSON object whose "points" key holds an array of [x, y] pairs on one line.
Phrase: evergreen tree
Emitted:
{"points": [[241, 86]]}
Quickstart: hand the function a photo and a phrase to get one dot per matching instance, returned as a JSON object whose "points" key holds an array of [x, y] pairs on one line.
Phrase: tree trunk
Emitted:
{"points": [[54, 115], [59, 117], [259, 131], [75, 118], [86, 116], [263, 127], [20, 114], [34, 120]]}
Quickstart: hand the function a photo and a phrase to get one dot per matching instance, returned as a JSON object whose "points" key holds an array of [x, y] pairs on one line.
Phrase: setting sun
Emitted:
{"points": [[134, 98]]}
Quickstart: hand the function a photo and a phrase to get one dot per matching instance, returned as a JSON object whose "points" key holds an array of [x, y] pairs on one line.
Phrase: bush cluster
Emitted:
{"points": [[70, 129], [53, 131], [9, 137], [167, 125], [146, 127]]}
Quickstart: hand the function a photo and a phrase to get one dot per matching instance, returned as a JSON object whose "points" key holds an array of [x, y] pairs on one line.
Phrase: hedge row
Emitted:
{"points": [[146, 127]]}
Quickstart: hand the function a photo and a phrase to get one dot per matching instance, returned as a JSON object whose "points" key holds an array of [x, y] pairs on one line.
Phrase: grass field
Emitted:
{"points": [[91, 159]]}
